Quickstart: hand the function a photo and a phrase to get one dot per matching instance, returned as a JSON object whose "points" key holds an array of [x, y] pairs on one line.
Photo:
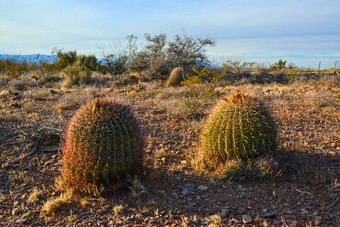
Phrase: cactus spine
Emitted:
{"points": [[239, 127], [103, 141]]}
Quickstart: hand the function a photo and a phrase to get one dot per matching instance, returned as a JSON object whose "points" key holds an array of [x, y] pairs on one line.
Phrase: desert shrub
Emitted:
{"points": [[64, 58], [103, 142], [14, 68], [201, 89], [291, 73], [281, 64], [259, 69], [4, 80], [237, 69], [76, 74], [239, 127], [89, 61], [113, 64], [160, 55], [176, 77]]}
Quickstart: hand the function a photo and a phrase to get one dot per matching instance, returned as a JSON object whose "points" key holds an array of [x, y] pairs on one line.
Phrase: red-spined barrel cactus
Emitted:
{"points": [[239, 127], [103, 141]]}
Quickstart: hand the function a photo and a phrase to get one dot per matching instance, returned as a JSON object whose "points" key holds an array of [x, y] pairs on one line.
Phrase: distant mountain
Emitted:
{"points": [[32, 58]]}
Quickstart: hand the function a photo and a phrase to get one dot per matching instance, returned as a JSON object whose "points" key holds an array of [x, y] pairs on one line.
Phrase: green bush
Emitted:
{"points": [[76, 74]]}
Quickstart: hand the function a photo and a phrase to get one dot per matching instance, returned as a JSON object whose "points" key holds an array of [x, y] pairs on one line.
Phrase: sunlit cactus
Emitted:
{"points": [[103, 142], [239, 127]]}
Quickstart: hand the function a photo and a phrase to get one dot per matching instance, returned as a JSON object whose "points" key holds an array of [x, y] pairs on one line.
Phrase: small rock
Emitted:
{"points": [[277, 222], [333, 144], [270, 215], [185, 192], [246, 219], [203, 188], [225, 212], [234, 220], [241, 210], [15, 203]]}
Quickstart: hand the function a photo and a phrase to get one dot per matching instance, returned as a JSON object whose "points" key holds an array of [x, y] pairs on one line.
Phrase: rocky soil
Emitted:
{"points": [[172, 190]]}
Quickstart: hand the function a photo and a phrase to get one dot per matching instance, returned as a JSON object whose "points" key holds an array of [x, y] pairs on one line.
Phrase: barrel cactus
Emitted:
{"points": [[176, 77], [239, 127], [103, 142]]}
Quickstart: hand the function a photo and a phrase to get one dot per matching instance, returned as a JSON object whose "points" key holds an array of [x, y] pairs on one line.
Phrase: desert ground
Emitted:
{"points": [[172, 190]]}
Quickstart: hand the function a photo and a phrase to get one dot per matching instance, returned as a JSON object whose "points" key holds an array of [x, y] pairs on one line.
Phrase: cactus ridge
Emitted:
{"points": [[103, 141], [239, 127]]}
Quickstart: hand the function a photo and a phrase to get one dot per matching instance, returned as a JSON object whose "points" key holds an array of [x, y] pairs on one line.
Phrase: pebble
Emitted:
{"points": [[225, 212], [270, 215], [241, 210], [203, 188], [246, 219], [185, 192]]}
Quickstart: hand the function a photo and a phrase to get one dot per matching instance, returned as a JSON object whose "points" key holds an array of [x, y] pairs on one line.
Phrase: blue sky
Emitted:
{"points": [[242, 29]]}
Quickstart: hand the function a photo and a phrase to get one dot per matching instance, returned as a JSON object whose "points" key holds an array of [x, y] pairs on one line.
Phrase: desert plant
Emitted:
{"points": [[159, 55], [103, 142], [76, 74], [64, 58], [278, 65], [237, 68], [89, 61], [176, 77], [239, 127], [201, 87]]}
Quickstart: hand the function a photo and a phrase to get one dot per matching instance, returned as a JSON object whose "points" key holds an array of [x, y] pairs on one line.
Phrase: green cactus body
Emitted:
{"points": [[239, 127], [103, 141]]}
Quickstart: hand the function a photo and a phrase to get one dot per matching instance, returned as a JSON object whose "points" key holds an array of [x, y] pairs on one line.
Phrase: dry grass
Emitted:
{"points": [[35, 195], [58, 203], [118, 209]]}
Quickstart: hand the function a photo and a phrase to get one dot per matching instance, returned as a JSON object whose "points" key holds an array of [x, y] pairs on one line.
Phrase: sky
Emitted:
{"points": [[301, 31]]}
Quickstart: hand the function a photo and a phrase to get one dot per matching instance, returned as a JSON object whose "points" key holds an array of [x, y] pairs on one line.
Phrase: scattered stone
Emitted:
{"points": [[270, 215], [203, 188], [241, 210], [277, 222], [185, 192], [225, 212], [246, 219], [333, 144], [16, 203], [235, 220]]}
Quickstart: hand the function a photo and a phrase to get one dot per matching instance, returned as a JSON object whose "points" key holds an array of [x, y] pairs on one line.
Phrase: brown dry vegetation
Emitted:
{"points": [[173, 190]]}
